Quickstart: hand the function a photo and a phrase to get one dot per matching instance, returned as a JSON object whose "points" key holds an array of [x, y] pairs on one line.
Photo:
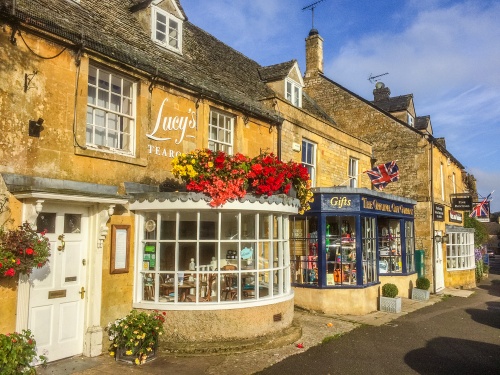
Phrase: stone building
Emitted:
{"points": [[429, 173], [96, 98]]}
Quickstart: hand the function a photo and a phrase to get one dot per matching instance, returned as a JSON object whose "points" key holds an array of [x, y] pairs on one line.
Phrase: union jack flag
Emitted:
{"points": [[382, 174], [482, 209]]}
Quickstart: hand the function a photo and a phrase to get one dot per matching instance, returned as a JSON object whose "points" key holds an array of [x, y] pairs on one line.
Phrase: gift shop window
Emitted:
{"points": [[304, 250], [220, 132], [199, 257], [340, 243], [460, 251], [410, 246], [110, 112], [369, 249], [389, 235]]}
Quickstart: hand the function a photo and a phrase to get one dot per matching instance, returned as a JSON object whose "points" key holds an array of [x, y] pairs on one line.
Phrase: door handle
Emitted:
{"points": [[82, 292], [63, 244]]}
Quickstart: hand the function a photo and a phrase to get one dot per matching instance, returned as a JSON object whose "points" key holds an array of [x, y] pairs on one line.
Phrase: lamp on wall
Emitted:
{"points": [[35, 127], [440, 238]]}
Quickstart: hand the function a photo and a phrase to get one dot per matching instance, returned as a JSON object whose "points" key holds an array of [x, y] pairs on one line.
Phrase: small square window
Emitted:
{"points": [[293, 93]]}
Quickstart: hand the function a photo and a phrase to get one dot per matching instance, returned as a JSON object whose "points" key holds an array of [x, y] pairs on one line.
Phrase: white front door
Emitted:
{"points": [[438, 264], [56, 303]]}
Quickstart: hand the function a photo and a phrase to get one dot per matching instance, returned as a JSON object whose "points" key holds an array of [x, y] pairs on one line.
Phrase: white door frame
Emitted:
{"points": [[438, 263], [99, 212]]}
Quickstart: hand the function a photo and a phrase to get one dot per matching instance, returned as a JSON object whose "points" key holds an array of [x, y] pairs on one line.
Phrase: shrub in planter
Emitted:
{"points": [[421, 291], [18, 354], [389, 300], [390, 290], [423, 283]]}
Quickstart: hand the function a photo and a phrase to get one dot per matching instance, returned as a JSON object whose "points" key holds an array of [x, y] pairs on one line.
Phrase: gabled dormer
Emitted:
{"points": [[401, 107], [165, 22], [285, 79], [423, 123]]}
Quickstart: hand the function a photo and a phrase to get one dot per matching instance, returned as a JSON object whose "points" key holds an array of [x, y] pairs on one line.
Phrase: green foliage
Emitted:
{"points": [[481, 232], [423, 283], [137, 332], [479, 270], [330, 338], [390, 290], [18, 354]]}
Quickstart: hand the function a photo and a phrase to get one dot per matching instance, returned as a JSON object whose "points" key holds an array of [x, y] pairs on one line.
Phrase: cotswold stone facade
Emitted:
{"points": [[94, 106], [428, 172]]}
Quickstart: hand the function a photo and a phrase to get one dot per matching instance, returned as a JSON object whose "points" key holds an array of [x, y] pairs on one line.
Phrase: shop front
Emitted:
{"points": [[220, 273], [350, 243]]}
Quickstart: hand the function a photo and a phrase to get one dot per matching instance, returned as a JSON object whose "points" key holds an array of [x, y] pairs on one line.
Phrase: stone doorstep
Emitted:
{"points": [[274, 340]]}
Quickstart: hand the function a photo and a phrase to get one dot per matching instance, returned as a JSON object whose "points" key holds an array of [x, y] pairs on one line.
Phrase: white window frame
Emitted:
{"points": [[293, 92], [308, 159], [411, 120], [169, 20], [353, 172], [114, 107], [220, 131], [269, 230], [460, 251]]}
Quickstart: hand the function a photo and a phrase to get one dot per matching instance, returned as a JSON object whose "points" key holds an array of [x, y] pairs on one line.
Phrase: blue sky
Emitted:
{"points": [[445, 53]]}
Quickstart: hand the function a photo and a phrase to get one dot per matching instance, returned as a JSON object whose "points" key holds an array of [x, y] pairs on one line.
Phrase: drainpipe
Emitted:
{"points": [[433, 255]]}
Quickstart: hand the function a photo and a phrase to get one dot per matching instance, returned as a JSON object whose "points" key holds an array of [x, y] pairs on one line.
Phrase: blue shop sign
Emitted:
{"points": [[364, 203]]}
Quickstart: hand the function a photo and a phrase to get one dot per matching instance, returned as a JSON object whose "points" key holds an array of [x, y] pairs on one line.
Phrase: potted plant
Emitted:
{"points": [[21, 250], [421, 291], [389, 300], [135, 336], [18, 354]]}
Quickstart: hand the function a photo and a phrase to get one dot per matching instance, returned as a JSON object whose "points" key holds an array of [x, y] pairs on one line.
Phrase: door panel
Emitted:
{"points": [[56, 315]]}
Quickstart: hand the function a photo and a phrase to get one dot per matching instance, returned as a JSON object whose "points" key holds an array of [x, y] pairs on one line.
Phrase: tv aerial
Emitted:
{"points": [[375, 78], [311, 7]]}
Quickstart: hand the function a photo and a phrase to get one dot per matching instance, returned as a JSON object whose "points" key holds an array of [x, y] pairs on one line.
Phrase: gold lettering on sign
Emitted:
{"points": [[57, 294], [386, 207], [340, 202]]}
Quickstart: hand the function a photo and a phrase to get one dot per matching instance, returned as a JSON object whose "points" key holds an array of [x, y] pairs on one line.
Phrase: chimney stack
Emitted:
{"points": [[381, 92], [314, 53]]}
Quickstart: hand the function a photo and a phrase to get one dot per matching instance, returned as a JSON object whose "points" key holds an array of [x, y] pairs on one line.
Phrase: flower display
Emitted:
{"points": [[22, 250], [136, 334], [224, 177], [18, 354]]}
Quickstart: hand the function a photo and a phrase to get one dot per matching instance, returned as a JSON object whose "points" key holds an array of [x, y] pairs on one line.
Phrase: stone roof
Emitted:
{"points": [[395, 104], [276, 72], [206, 66], [422, 122]]}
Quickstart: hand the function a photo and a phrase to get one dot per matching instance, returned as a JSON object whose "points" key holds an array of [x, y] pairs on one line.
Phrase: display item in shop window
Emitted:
{"points": [[213, 264], [192, 265]]}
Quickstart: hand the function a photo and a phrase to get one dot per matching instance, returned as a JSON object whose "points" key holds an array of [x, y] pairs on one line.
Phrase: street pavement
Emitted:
{"points": [[457, 332]]}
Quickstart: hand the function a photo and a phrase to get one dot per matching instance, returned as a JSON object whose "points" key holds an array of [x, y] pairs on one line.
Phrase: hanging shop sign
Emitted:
{"points": [[455, 217], [461, 203], [438, 212]]}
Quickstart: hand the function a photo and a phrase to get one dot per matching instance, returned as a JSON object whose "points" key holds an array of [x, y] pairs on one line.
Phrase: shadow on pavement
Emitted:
{"points": [[485, 317], [446, 355]]}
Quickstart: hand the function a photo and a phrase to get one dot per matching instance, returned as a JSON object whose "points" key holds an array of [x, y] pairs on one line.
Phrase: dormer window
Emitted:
{"points": [[293, 92], [166, 30]]}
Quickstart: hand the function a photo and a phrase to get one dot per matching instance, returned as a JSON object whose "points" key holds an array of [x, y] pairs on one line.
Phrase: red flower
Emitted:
{"points": [[18, 261], [10, 272], [29, 251]]}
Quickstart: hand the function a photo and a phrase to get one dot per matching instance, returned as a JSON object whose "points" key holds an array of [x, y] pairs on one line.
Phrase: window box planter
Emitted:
{"points": [[392, 305], [420, 294]]}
